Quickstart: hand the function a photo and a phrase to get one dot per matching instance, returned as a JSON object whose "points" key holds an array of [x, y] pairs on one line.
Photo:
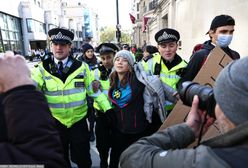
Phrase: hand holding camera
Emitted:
{"points": [[202, 102], [197, 118]]}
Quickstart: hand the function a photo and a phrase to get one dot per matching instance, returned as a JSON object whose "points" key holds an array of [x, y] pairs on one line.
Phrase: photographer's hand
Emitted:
{"points": [[196, 118], [13, 72]]}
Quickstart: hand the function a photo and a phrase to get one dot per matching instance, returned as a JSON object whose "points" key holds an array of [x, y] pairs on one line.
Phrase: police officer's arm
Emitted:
{"points": [[36, 75], [98, 96]]}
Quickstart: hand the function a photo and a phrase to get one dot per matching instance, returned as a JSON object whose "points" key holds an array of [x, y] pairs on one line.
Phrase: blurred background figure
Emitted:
{"points": [[126, 47], [197, 47], [149, 50], [90, 58], [138, 55]]}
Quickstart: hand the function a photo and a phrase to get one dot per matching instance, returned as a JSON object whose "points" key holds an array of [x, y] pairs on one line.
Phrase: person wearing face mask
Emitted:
{"points": [[167, 148], [221, 34]]}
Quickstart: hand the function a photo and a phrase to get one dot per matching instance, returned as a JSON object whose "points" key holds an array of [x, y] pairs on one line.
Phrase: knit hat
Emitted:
{"points": [[231, 91], [125, 54], [86, 47]]}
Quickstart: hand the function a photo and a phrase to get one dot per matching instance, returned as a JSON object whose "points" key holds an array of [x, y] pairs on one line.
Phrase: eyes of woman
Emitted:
{"points": [[89, 51], [121, 59]]}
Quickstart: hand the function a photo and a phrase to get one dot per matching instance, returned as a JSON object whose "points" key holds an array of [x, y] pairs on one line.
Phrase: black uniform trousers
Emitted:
{"points": [[103, 132], [122, 141], [76, 138]]}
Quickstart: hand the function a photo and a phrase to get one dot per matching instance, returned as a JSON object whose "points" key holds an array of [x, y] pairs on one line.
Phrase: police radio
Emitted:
{"points": [[157, 69], [103, 72]]}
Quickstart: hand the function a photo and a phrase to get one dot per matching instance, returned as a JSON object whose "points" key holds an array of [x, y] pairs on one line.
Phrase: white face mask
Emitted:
{"points": [[224, 40]]}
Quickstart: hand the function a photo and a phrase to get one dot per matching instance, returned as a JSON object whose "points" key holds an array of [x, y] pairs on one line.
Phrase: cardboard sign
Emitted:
{"points": [[217, 60]]}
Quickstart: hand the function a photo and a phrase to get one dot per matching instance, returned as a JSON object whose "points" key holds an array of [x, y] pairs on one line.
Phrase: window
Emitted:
{"points": [[35, 26], [11, 38], [3, 21], [137, 7], [30, 25]]}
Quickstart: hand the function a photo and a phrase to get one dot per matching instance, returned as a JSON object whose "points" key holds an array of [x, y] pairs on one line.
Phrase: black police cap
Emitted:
{"points": [[167, 35], [106, 48], [61, 35]]}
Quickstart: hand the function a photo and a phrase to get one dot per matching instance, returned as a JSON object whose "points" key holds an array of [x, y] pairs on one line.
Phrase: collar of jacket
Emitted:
{"points": [[236, 136]]}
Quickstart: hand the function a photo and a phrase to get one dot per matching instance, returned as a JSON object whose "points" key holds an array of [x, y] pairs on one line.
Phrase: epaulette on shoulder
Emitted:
{"points": [[148, 57]]}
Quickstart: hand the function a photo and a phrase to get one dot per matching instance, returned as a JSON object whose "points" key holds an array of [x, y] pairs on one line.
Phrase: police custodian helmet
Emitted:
{"points": [[167, 35], [60, 35]]}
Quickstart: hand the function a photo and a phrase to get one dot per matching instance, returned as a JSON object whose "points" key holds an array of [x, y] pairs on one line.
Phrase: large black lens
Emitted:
{"points": [[205, 94]]}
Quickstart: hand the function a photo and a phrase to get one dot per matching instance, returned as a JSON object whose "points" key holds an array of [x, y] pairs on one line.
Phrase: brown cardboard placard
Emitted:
{"points": [[216, 61]]}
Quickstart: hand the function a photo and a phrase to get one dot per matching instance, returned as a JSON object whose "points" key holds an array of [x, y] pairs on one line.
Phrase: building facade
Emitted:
{"points": [[192, 18], [24, 23]]}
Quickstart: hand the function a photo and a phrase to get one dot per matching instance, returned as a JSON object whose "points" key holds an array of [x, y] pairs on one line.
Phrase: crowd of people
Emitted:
{"points": [[50, 115]]}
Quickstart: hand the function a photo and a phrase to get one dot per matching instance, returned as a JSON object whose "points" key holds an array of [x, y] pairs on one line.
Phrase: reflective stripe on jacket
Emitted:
{"points": [[169, 77], [67, 101], [105, 85]]}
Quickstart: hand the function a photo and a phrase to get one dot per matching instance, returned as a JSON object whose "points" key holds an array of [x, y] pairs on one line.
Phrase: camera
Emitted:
{"points": [[205, 94]]}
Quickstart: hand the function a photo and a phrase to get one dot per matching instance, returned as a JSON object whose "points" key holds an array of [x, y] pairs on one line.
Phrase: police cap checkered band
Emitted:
{"points": [[60, 35], [167, 35]]}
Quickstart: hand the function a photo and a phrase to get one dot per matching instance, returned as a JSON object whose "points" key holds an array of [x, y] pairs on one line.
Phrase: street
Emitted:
{"points": [[93, 151]]}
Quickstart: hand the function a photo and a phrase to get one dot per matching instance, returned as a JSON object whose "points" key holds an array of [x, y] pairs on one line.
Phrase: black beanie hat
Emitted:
{"points": [[86, 47]]}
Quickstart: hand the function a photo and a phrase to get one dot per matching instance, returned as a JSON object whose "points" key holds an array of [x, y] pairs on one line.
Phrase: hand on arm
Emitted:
{"points": [[96, 85]]}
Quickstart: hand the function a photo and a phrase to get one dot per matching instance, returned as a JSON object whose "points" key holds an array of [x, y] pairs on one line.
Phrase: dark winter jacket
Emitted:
{"points": [[32, 136], [167, 148], [198, 59], [131, 118]]}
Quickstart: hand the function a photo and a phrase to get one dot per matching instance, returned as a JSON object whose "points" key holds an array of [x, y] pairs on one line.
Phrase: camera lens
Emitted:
{"points": [[205, 94]]}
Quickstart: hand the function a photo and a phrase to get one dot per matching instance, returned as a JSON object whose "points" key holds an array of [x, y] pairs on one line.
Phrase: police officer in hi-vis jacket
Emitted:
{"points": [[65, 83], [166, 63]]}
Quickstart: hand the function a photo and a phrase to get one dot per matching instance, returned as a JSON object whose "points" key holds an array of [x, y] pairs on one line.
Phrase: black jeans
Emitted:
{"points": [[122, 141], [76, 138], [103, 137]]}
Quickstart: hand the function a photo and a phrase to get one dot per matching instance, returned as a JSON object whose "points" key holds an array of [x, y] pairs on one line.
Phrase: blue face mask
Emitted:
{"points": [[224, 40]]}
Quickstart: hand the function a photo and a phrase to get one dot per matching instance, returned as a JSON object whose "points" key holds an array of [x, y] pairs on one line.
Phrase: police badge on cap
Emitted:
{"points": [[167, 35], [60, 35]]}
